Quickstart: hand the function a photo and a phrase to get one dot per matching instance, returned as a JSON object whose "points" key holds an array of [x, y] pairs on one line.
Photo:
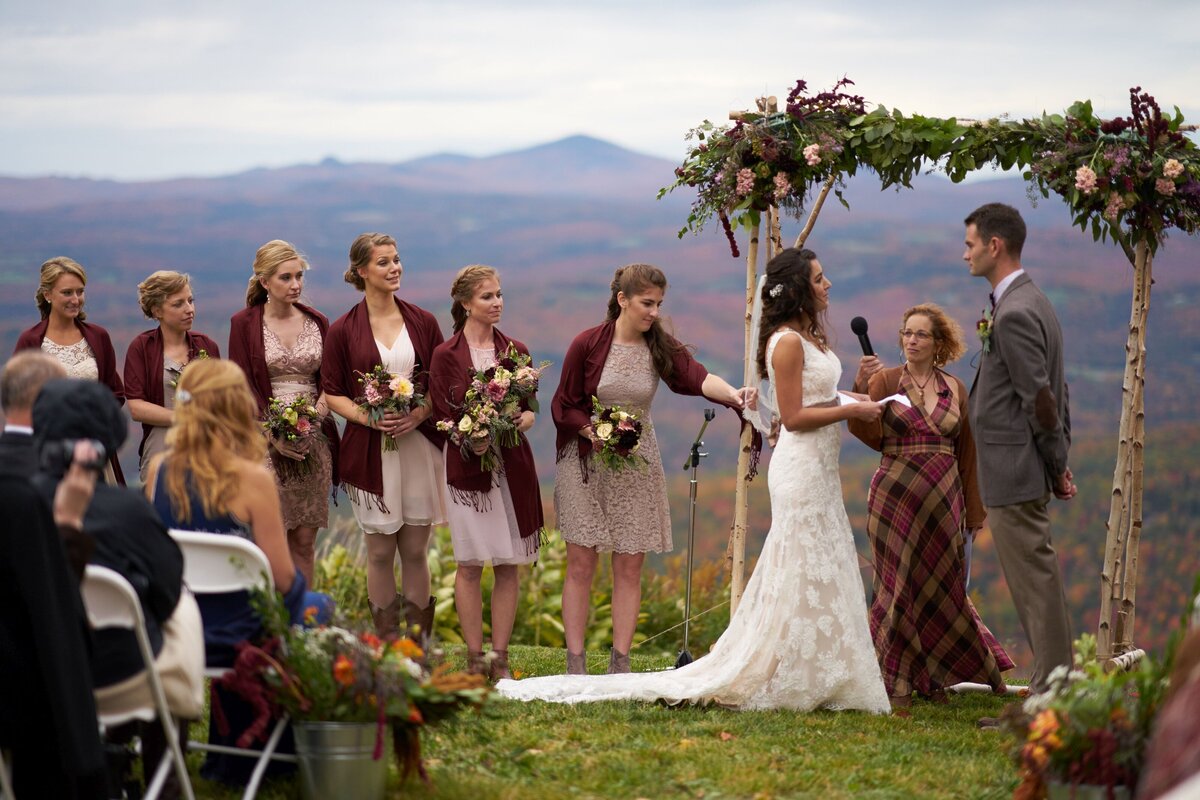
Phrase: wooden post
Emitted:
{"points": [[741, 500], [1118, 577]]}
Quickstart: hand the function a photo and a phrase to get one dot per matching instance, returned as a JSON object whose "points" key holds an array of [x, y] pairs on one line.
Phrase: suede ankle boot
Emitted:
{"points": [[419, 622], [498, 666], [387, 619], [618, 662], [576, 663], [476, 663]]}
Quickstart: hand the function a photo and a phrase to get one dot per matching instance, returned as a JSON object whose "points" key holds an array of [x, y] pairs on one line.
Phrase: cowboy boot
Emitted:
{"points": [[618, 662], [419, 622], [387, 619], [576, 663], [498, 668], [476, 662]]}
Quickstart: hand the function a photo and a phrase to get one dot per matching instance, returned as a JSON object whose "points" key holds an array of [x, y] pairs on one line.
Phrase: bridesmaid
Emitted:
{"points": [[278, 342], [156, 358], [494, 517], [623, 513], [84, 349], [396, 496]]}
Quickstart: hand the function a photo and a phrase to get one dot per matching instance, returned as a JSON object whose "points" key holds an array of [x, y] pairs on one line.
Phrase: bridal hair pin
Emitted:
{"points": [[776, 290], [183, 395]]}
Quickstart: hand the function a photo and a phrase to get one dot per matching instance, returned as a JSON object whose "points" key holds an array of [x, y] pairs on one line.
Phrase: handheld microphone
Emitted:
{"points": [[859, 326]]}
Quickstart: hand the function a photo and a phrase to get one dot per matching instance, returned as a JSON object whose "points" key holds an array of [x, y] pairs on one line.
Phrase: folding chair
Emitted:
{"points": [[218, 563], [112, 603]]}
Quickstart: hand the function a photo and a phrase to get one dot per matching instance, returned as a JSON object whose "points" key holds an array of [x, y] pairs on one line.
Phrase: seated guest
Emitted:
{"points": [[48, 723], [131, 540], [924, 501], [212, 477], [20, 383]]}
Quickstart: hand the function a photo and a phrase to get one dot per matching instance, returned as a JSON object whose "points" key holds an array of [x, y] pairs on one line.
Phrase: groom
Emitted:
{"points": [[1022, 431]]}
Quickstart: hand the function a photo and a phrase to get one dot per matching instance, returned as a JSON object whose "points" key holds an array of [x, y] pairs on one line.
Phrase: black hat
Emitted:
{"points": [[68, 408]]}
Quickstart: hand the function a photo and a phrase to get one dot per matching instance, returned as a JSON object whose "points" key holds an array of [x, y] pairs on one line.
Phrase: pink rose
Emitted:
{"points": [[303, 426]]}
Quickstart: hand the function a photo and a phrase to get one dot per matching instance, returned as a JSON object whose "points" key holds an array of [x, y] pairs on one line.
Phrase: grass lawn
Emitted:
{"points": [[632, 750]]}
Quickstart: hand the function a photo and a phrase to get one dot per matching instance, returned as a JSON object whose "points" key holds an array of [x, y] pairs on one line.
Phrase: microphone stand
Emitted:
{"points": [[693, 463]]}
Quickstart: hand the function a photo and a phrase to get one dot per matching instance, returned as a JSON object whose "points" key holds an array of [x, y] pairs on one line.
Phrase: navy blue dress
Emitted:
{"points": [[228, 619]]}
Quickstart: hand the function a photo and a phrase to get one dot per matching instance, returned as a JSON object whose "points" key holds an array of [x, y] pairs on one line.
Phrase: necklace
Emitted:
{"points": [[920, 386]]}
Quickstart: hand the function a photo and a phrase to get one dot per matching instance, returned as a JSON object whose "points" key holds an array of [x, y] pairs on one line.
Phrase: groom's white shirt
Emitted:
{"points": [[1003, 285]]}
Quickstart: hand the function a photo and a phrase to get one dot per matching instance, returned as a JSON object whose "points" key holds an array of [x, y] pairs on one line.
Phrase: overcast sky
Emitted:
{"points": [[144, 89]]}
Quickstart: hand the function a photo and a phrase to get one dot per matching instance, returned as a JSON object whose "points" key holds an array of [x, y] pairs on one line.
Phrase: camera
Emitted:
{"points": [[56, 456]]}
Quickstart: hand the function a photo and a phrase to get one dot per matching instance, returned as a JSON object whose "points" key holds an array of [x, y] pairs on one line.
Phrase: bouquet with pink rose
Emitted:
{"points": [[382, 392], [294, 421], [492, 406]]}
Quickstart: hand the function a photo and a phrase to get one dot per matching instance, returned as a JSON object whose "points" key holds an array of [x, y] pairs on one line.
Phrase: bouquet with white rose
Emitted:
{"points": [[617, 435], [295, 421], [384, 392]]}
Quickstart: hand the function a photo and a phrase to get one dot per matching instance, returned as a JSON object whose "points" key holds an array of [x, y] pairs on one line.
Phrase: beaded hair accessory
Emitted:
{"points": [[776, 290]]}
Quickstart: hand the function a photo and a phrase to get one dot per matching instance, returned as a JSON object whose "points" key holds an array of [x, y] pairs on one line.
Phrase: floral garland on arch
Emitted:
{"points": [[1129, 178]]}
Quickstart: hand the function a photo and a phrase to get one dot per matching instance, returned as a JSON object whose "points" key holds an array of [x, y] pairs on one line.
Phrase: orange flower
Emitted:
{"points": [[371, 640], [310, 616], [407, 648], [1043, 725], [1035, 756], [343, 671], [414, 715]]}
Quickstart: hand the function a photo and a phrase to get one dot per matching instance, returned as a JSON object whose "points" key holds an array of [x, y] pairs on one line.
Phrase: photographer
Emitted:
{"points": [[130, 539], [49, 721]]}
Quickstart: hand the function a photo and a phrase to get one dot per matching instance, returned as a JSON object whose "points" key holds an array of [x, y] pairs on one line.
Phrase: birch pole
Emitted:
{"points": [[741, 500], [1118, 577]]}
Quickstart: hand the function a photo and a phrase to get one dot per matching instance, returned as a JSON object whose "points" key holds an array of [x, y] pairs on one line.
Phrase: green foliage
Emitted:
{"points": [[1129, 179], [339, 572]]}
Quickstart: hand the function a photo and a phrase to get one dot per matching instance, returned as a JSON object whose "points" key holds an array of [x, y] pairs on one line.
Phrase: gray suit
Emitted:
{"points": [[1022, 431]]}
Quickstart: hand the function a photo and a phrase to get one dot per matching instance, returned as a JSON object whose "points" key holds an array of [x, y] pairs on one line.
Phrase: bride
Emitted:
{"points": [[800, 638]]}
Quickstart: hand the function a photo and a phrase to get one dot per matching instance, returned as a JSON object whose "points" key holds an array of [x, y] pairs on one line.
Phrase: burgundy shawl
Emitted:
{"points": [[581, 370], [449, 377], [144, 368], [246, 349], [349, 348], [106, 363]]}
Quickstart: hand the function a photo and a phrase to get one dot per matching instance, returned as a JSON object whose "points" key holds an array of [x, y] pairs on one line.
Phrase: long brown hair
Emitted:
{"points": [[635, 279], [787, 295], [216, 421]]}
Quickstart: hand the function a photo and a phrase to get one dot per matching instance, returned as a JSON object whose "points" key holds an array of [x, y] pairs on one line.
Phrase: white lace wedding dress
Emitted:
{"points": [[800, 638]]}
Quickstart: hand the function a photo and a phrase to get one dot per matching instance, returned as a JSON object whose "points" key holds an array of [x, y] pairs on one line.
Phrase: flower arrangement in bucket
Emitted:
{"points": [[331, 674], [1087, 734]]}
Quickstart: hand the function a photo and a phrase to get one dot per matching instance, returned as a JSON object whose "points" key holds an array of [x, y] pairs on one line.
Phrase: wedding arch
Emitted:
{"points": [[1128, 180]]}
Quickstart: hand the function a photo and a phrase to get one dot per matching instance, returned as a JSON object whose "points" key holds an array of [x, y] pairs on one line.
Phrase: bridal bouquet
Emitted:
{"points": [[332, 674], [383, 392], [617, 434], [296, 422], [492, 405]]}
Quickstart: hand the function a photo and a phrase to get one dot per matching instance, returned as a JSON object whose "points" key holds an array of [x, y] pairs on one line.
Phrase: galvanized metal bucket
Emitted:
{"points": [[336, 760]]}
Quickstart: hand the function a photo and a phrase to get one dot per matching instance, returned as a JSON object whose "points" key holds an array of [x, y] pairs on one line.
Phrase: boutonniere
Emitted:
{"points": [[984, 329]]}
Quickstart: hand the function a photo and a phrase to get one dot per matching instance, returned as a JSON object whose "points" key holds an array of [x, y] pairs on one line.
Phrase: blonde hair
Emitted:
{"points": [[216, 422], [160, 285], [463, 289], [360, 256], [52, 270], [948, 344], [267, 261]]}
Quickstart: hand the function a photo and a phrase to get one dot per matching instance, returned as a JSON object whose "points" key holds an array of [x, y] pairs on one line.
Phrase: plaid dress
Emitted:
{"points": [[927, 633]]}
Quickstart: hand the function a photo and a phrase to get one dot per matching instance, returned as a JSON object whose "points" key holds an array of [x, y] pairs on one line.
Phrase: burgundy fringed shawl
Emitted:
{"points": [[246, 349], [580, 377], [350, 347], [448, 382], [144, 368]]}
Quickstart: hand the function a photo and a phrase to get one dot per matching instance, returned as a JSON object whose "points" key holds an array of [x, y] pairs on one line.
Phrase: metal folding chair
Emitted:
{"points": [[112, 603], [217, 563], [6, 791]]}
